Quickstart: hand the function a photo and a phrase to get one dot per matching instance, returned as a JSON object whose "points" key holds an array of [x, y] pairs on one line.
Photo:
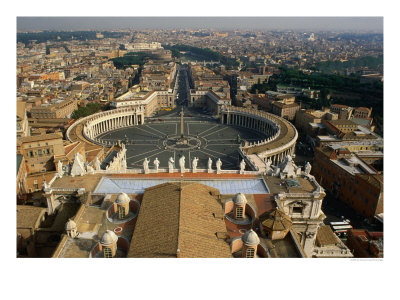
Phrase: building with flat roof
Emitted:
{"points": [[287, 111], [39, 151], [23, 128], [344, 112], [365, 244], [350, 179], [29, 219], [56, 109]]}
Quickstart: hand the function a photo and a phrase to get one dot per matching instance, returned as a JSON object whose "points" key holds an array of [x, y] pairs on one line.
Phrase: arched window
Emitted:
{"points": [[239, 212], [107, 253], [250, 253], [121, 212]]}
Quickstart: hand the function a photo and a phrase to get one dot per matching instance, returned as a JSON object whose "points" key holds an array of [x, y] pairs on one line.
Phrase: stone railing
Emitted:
{"points": [[164, 170], [283, 131], [89, 122]]}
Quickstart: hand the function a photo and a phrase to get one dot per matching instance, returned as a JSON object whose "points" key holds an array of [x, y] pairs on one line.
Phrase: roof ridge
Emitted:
{"points": [[180, 189]]}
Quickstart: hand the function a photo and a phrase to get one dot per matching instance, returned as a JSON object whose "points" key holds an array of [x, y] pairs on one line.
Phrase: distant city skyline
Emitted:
{"points": [[355, 24]]}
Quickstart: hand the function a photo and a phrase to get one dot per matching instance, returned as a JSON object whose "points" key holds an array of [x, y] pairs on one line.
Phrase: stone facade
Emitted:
{"points": [[282, 134]]}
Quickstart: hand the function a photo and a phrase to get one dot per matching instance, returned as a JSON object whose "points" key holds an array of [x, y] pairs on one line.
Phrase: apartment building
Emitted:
{"points": [[56, 109], [350, 179]]}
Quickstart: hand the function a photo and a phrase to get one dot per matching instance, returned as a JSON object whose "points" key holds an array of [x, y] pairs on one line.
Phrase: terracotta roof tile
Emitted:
{"points": [[172, 217]]}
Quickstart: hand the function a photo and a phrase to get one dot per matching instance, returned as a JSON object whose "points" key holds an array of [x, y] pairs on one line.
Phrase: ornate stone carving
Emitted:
{"points": [[268, 168], [97, 164], [89, 169], [209, 164], [182, 164], [194, 164], [242, 166], [219, 165], [156, 163], [60, 170], [307, 168], [146, 165], [78, 167], [171, 165]]}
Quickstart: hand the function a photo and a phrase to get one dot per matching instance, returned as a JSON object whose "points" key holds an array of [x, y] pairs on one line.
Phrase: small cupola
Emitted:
{"points": [[276, 223], [122, 202], [70, 228], [109, 244], [239, 202], [250, 242]]}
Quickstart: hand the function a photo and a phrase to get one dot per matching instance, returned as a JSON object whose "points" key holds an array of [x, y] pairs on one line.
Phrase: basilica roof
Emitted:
{"points": [[180, 220]]}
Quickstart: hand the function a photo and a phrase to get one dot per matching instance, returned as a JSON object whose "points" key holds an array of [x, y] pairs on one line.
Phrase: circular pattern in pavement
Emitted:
{"points": [[204, 138]]}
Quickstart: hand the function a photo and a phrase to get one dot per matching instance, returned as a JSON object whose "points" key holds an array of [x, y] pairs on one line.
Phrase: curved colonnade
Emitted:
{"points": [[101, 122], [282, 134], [281, 142]]}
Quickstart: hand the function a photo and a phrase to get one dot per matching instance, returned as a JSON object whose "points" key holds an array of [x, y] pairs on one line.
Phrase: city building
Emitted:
{"points": [[21, 176], [23, 128], [365, 244], [310, 122], [287, 111], [39, 151], [344, 112], [56, 109], [280, 217], [29, 219], [350, 179]]}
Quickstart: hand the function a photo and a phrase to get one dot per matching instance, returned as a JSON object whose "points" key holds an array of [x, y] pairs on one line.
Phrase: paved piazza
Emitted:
{"points": [[205, 137]]}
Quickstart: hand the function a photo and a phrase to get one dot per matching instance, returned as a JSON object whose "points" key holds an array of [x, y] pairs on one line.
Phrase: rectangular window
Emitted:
{"points": [[239, 212], [250, 253], [107, 253], [297, 210], [121, 212]]}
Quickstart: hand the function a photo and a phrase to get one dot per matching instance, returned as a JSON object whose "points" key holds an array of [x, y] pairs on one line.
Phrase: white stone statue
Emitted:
{"points": [[219, 165], [60, 170], [156, 163], [182, 163], [194, 164], [209, 165], [97, 164], [242, 166], [288, 168], [123, 163], [268, 166], [78, 167], [45, 186], [146, 165], [171, 165], [89, 169], [276, 172], [307, 168]]}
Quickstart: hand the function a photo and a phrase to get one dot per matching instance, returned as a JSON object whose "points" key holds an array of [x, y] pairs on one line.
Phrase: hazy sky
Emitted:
{"points": [[266, 23]]}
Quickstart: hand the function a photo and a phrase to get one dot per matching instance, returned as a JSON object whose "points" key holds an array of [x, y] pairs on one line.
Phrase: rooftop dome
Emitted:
{"points": [[250, 238], [70, 225], [108, 238], [122, 198], [276, 220], [239, 199]]}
